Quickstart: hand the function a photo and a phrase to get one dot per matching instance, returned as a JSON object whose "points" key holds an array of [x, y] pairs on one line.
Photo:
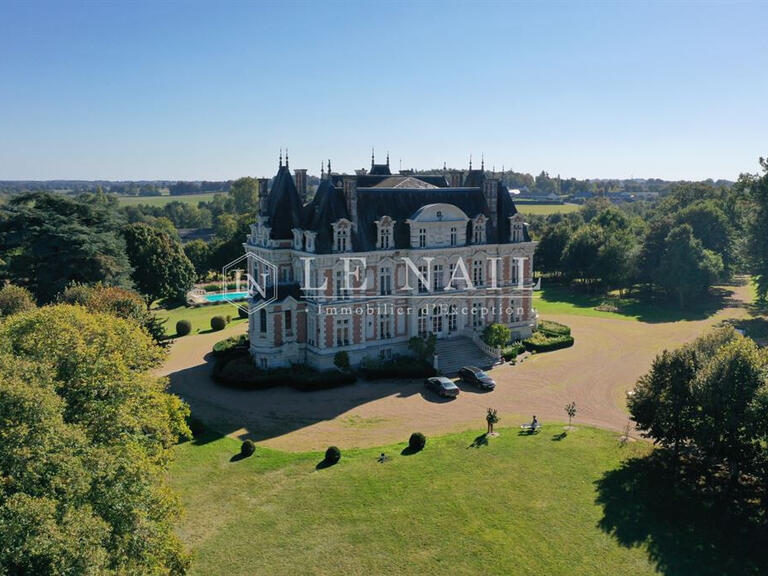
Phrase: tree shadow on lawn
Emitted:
{"points": [[653, 309], [562, 436], [480, 441], [323, 464], [685, 530]]}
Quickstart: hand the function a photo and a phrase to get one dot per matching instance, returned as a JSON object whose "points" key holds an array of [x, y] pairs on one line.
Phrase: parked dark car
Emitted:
{"points": [[442, 386], [473, 375]]}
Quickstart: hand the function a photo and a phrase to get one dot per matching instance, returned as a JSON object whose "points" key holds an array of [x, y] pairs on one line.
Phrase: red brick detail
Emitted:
{"points": [[329, 331], [357, 329]]}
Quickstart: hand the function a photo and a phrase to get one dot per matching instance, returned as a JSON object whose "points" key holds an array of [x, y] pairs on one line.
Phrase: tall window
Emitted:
{"points": [[452, 318], [478, 231], [477, 317], [437, 323], [422, 237], [342, 239], [341, 291], [385, 237], [454, 237], [311, 329], [288, 323], [385, 326], [342, 332], [263, 321], [385, 281], [423, 271], [422, 327], [437, 277], [477, 272]]}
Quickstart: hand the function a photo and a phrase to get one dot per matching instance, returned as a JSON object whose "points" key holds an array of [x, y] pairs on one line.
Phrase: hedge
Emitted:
{"points": [[542, 342], [235, 368], [398, 367], [233, 342], [554, 328]]}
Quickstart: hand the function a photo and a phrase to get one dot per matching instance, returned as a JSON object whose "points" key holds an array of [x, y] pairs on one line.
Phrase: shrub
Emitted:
{"points": [[332, 455], [183, 327], [218, 323], [341, 360], [554, 328], [512, 351], [541, 342], [247, 448], [423, 348], [229, 318], [14, 299], [496, 335], [228, 344], [417, 441]]}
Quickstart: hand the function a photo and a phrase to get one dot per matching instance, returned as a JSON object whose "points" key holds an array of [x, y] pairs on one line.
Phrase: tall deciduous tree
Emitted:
{"points": [[86, 438], [161, 269], [758, 233], [245, 194]]}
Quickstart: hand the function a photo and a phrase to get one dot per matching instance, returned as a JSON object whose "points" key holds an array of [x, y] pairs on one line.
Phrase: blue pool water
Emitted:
{"points": [[225, 297]]}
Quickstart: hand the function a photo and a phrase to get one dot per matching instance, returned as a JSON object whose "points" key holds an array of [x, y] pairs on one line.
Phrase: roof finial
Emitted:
{"points": [[445, 166], [470, 162], [322, 170], [286, 157], [281, 158], [373, 159], [329, 167], [482, 162], [387, 158]]}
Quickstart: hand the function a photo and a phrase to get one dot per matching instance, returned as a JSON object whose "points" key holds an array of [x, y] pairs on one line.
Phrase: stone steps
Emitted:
{"points": [[457, 352]]}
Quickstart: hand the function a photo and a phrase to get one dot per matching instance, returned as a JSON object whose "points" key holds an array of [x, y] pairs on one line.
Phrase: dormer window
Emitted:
{"points": [[454, 236], [298, 239], [341, 239], [478, 230], [516, 228], [385, 228], [309, 241]]}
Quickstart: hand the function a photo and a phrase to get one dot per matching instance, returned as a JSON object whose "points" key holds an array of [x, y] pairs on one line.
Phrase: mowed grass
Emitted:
{"points": [[560, 299], [199, 316], [517, 504], [545, 209], [193, 199]]}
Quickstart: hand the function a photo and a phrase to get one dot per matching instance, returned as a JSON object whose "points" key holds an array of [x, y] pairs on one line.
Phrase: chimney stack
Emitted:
{"points": [[491, 193], [263, 191], [350, 195], [300, 175]]}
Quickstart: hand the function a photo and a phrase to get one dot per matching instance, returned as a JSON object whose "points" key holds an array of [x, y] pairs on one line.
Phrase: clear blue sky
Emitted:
{"points": [[178, 90]]}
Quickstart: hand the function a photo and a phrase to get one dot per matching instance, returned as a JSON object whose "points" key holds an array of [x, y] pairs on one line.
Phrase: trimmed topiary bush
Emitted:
{"points": [[543, 342], [183, 327], [554, 328], [218, 323], [247, 448], [417, 441], [332, 455]]}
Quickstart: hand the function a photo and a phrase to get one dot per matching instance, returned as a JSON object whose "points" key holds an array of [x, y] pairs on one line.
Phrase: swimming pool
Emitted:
{"points": [[225, 297]]}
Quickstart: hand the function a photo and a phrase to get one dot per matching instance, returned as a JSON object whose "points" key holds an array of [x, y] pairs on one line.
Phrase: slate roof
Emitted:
{"points": [[380, 170], [398, 197]]}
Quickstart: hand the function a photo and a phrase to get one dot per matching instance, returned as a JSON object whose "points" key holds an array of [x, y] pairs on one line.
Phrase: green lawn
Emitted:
{"points": [[200, 316], [545, 209], [559, 299], [516, 505], [193, 199]]}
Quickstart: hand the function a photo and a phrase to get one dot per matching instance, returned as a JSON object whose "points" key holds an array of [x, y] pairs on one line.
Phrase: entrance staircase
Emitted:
{"points": [[457, 352]]}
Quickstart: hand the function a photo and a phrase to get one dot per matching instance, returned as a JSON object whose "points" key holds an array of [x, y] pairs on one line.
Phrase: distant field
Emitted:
{"points": [[545, 209], [163, 200]]}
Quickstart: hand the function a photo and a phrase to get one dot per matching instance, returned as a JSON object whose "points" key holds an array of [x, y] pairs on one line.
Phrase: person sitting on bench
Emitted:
{"points": [[534, 423]]}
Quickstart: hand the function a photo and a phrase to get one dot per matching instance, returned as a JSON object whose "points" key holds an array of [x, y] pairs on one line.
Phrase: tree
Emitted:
{"points": [[423, 348], [581, 252], [491, 418], [161, 269], [76, 392], [758, 232], [496, 335], [687, 269], [570, 409], [14, 299], [51, 240], [199, 253], [245, 194], [550, 248]]}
